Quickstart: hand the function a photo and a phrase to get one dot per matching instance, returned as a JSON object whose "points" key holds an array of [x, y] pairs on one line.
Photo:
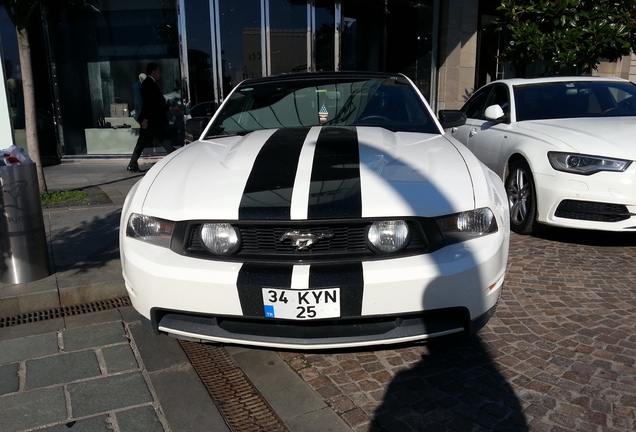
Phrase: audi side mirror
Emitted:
{"points": [[495, 113]]}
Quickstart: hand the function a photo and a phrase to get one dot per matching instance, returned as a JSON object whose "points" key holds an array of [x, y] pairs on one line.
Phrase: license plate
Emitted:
{"points": [[301, 304]]}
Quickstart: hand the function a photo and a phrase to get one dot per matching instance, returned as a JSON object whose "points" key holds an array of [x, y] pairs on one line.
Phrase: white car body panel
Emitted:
{"points": [[226, 163], [587, 135]]}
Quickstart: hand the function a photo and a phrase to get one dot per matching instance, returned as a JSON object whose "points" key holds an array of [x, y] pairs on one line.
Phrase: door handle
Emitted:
{"points": [[472, 132]]}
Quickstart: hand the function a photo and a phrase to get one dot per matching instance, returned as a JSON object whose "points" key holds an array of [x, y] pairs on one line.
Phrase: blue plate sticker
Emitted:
{"points": [[269, 311]]}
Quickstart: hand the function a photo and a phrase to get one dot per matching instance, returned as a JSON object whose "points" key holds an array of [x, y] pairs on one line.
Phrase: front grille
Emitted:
{"points": [[262, 241], [592, 211]]}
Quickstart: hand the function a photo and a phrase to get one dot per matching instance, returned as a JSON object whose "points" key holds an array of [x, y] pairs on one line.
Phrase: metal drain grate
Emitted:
{"points": [[240, 403], [64, 311]]}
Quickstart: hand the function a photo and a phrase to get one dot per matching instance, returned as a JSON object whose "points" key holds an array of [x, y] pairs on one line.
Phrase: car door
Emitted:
{"points": [[473, 109], [485, 136]]}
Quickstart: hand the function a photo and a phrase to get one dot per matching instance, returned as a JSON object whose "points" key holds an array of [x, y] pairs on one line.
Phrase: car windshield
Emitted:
{"points": [[391, 103], [575, 99]]}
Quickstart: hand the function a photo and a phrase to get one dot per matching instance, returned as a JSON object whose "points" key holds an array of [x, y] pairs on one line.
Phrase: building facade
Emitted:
{"points": [[87, 60]]}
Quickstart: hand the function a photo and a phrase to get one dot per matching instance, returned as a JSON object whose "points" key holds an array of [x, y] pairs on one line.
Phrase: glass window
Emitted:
{"points": [[395, 36], [197, 16], [11, 68], [388, 102], [574, 99], [475, 106], [362, 31], [499, 96], [325, 32], [42, 70], [240, 41], [419, 66], [288, 36], [97, 73]]}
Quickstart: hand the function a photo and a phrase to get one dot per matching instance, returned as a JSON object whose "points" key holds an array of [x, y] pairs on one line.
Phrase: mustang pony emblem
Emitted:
{"points": [[304, 240]]}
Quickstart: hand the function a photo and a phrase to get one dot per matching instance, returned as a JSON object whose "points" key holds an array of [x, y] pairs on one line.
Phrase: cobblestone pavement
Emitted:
{"points": [[559, 354]]}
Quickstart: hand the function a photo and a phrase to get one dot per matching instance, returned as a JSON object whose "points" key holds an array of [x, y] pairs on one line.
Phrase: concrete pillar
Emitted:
{"points": [[457, 52]]}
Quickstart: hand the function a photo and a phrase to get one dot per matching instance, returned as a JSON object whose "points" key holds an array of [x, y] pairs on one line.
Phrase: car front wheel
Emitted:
{"points": [[521, 198]]}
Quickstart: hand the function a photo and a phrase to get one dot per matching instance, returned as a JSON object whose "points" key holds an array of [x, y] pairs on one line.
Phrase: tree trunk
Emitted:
{"points": [[30, 115]]}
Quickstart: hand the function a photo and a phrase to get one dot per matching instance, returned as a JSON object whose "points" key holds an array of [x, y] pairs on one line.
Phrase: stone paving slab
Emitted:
{"points": [[28, 348], [94, 336], [9, 379], [108, 394], [92, 424], [119, 358], [60, 369], [141, 419], [26, 410]]}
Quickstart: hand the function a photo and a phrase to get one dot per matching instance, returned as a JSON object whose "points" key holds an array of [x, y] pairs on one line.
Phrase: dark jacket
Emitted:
{"points": [[153, 104]]}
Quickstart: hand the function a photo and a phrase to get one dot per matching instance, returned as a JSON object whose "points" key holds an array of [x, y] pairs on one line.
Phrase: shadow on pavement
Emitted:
{"points": [[93, 243], [453, 388]]}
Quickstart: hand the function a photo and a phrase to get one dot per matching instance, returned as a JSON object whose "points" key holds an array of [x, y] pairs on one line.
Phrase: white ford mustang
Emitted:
{"points": [[564, 146], [317, 210]]}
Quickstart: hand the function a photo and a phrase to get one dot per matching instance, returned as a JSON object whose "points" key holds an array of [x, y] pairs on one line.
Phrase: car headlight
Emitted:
{"points": [[388, 236], [150, 229], [219, 238], [585, 164], [467, 225]]}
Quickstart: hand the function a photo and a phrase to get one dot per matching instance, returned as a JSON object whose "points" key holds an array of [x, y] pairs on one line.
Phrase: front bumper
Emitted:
{"points": [[396, 300], [324, 334], [602, 201]]}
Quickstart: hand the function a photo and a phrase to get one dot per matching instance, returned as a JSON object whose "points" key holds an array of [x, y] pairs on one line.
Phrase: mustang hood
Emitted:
{"points": [[309, 173], [607, 136]]}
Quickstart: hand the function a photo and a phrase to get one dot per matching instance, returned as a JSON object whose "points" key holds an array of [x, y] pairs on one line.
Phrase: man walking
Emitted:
{"points": [[152, 117]]}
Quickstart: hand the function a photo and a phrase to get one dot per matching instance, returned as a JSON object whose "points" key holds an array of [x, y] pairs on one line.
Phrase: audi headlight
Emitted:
{"points": [[467, 225], [219, 238], [585, 164], [388, 236], [150, 229]]}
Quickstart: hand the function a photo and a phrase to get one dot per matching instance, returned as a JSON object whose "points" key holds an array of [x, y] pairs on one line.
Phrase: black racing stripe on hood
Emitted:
{"points": [[348, 277], [335, 177], [252, 278], [268, 191]]}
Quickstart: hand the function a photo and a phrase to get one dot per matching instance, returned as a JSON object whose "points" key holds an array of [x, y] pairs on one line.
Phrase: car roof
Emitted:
{"points": [[556, 79], [322, 74]]}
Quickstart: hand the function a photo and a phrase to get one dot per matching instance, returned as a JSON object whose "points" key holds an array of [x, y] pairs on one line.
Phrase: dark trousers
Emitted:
{"points": [[147, 138]]}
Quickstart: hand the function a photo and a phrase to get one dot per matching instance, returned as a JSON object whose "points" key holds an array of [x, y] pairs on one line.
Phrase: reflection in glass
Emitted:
{"points": [[240, 41], [325, 100], [288, 36], [197, 15], [325, 35]]}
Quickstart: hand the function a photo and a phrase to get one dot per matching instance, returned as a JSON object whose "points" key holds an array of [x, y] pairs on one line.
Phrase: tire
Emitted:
{"points": [[522, 199]]}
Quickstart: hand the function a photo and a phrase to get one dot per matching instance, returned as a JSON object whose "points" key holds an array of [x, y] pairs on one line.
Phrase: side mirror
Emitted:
{"points": [[451, 118], [495, 113]]}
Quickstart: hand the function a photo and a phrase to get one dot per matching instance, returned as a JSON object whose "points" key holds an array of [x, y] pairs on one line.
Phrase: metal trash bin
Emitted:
{"points": [[24, 252]]}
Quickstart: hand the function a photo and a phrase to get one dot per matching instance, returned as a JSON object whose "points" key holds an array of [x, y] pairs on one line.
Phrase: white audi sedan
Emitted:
{"points": [[317, 211], [564, 147]]}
